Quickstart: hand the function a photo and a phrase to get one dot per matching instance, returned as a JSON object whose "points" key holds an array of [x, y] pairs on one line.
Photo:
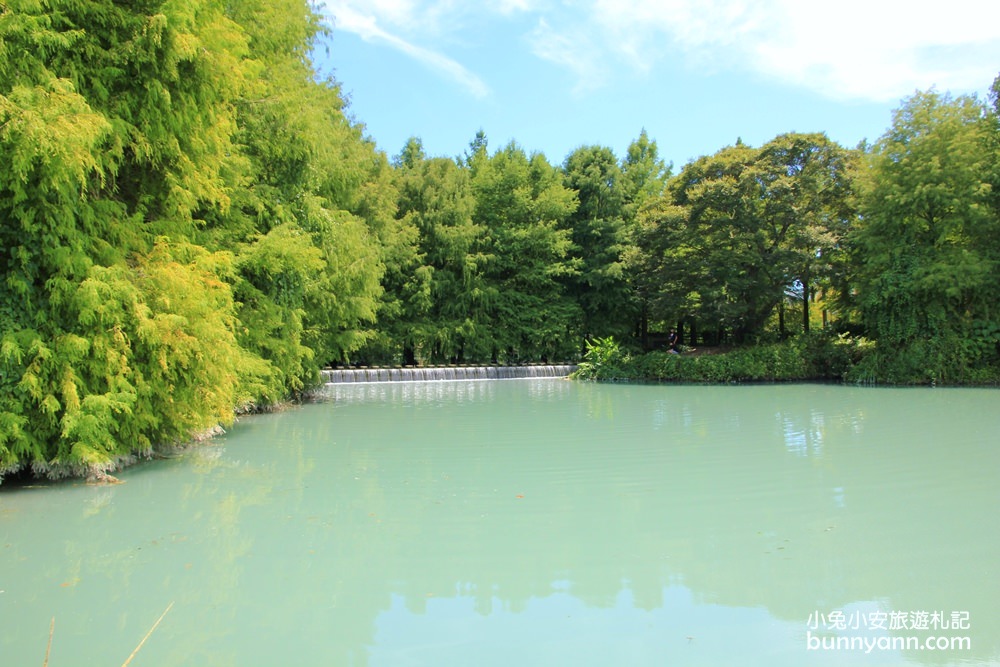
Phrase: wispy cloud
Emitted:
{"points": [[859, 49], [573, 50], [507, 7], [867, 50], [365, 24]]}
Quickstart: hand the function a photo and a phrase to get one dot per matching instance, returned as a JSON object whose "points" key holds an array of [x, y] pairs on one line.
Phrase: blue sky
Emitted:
{"points": [[696, 74]]}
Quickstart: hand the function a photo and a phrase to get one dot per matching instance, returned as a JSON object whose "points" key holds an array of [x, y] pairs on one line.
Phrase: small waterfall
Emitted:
{"points": [[442, 373]]}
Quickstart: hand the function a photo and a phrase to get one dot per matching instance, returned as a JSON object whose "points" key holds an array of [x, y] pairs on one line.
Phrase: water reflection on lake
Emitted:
{"points": [[528, 522]]}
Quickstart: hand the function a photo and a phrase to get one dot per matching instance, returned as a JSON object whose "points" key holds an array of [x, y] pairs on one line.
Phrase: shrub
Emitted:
{"points": [[603, 360], [815, 356]]}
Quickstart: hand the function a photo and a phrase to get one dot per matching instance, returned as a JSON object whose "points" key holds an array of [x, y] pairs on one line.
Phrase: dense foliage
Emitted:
{"points": [[925, 273], [191, 225], [812, 356], [744, 228], [187, 222], [897, 243]]}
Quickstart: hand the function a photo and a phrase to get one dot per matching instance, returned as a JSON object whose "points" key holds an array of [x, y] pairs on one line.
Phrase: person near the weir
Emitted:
{"points": [[672, 342]]}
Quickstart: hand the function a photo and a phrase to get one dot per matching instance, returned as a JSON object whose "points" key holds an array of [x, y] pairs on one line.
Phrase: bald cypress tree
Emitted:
{"points": [[925, 251], [524, 207]]}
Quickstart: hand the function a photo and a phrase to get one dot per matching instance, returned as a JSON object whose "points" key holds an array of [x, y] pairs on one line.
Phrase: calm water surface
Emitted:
{"points": [[531, 522]]}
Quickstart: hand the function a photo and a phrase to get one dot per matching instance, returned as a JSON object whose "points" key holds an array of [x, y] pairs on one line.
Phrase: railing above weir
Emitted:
{"points": [[441, 373]]}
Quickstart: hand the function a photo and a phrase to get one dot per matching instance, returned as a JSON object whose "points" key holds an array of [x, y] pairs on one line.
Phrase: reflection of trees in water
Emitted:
{"points": [[803, 436], [767, 525]]}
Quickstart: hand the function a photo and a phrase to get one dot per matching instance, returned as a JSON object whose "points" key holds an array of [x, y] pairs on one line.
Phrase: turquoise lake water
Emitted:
{"points": [[532, 522]]}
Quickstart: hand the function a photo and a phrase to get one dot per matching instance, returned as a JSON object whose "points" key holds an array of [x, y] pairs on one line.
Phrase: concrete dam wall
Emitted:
{"points": [[440, 373]]}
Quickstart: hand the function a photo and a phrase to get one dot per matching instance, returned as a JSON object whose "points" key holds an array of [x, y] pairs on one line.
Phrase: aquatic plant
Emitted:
{"points": [[52, 630], [602, 360]]}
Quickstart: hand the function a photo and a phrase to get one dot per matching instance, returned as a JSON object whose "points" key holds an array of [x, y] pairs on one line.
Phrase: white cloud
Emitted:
{"points": [[506, 7], [574, 51], [854, 49], [365, 24], [868, 50]]}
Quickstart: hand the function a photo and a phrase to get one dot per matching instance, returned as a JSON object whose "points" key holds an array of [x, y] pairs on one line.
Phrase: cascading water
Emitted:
{"points": [[421, 374]]}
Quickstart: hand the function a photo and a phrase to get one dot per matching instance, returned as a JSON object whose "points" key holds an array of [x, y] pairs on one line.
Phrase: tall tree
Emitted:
{"points": [[743, 227], [438, 287], [719, 252], [523, 206], [925, 267], [808, 207], [162, 158], [645, 176], [599, 235], [308, 224], [115, 133]]}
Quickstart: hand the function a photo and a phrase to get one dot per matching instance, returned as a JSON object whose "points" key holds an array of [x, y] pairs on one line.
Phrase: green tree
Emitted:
{"points": [[713, 261], [450, 242], [523, 206], [925, 253], [808, 208], [115, 127], [668, 271], [644, 173], [311, 209], [645, 176], [599, 285], [740, 229], [436, 289], [162, 158]]}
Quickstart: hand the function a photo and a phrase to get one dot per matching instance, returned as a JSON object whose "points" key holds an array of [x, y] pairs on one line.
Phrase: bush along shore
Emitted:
{"points": [[817, 356]]}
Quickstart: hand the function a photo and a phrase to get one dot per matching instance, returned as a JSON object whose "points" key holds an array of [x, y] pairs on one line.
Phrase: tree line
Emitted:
{"points": [[192, 225]]}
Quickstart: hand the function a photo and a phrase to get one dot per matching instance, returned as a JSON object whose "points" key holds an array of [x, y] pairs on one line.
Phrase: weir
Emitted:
{"points": [[440, 373]]}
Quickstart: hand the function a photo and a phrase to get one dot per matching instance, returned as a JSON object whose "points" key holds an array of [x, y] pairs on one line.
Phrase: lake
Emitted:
{"points": [[532, 522]]}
